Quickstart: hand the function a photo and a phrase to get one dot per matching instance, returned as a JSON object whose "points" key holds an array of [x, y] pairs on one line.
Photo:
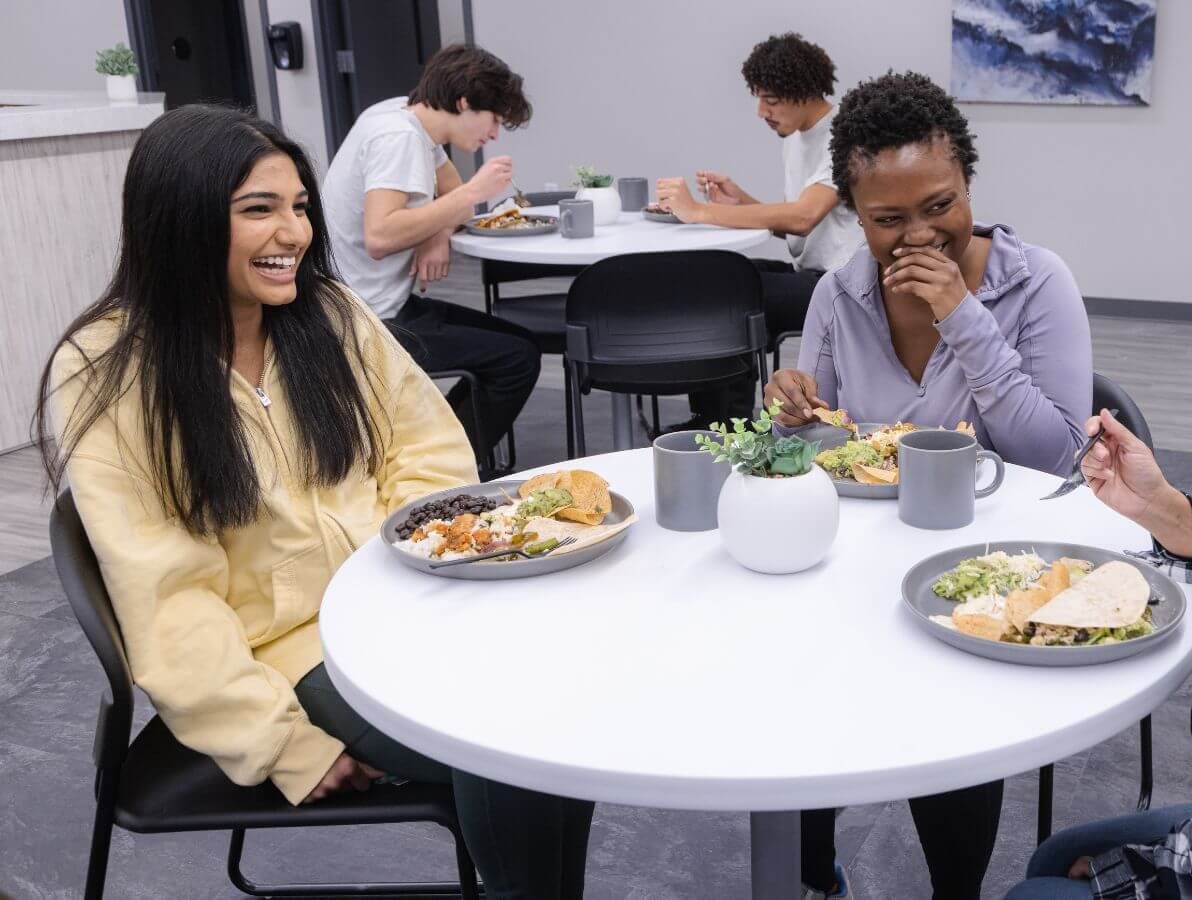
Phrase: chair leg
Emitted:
{"points": [[467, 869], [575, 397], [1046, 790], [1148, 764], [654, 412], [567, 410], [511, 449], [411, 891], [106, 784]]}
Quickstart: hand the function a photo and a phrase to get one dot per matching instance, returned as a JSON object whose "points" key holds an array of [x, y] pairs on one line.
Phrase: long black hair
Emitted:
{"points": [[169, 295]]}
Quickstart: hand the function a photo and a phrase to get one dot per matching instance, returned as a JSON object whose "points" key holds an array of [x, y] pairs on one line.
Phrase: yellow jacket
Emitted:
{"points": [[218, 630]]}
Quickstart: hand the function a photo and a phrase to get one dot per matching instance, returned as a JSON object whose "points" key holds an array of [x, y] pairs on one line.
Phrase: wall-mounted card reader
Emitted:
{"points": [[285, 43]]}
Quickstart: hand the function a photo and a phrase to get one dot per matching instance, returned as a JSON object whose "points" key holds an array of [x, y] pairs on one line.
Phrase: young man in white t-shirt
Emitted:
{"points": [[392, 199], [792, 79]]}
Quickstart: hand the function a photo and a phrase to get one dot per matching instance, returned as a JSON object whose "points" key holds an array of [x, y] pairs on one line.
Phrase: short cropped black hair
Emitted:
{"points": [[789, 67], [484, 80], [893, 111]]}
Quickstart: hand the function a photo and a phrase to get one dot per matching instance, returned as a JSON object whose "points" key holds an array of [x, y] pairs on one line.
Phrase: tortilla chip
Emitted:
{"points": [[545, 482], [980, 625], [590, 498], [874, 475], [1111, 596], [1021, 605]]}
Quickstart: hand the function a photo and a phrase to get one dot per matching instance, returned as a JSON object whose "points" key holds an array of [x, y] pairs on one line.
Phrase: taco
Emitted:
{"points": [[590, 497], [1112, 598]]}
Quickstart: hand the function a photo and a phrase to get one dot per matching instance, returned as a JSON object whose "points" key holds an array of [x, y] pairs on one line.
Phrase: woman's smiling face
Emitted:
{"points": [[913, 196], [269, 233]]}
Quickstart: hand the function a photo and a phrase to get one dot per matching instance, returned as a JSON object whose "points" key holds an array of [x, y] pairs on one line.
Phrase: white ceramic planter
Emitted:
{"points": [[778, 525], [606, 203], [122, 87]]}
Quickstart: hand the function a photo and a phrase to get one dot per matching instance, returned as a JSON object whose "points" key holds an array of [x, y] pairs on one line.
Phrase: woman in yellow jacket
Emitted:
{"points": [[233, 424]]}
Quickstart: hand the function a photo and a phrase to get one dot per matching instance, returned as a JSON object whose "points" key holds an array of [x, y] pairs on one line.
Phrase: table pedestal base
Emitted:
{"points": [[622, 422], [775, 866]]}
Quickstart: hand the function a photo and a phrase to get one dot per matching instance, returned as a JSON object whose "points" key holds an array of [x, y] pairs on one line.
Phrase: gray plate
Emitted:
{"points": [[494, 570], [546, 224], [665, 217], [922, 602], [830, 436]]}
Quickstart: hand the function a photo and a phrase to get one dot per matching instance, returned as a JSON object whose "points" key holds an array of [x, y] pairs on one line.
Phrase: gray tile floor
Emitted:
{"points": [[50, 684]]}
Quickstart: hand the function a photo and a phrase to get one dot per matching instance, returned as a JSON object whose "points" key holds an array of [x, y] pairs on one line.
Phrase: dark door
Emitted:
{"points": [[372, 50], [193, 50]]}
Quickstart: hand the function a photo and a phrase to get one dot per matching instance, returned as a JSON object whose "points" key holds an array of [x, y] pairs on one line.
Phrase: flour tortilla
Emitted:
{"points": [[585, 535], [1111, 596]]}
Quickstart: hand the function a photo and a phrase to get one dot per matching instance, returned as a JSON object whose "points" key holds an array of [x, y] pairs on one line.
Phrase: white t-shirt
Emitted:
{"points": [[806, 160], [386, 149]]}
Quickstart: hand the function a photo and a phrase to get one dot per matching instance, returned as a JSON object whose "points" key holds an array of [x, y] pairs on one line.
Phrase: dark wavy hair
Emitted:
{"points": [[169, 294], [789, 67], [483, 79], [893, 111]]}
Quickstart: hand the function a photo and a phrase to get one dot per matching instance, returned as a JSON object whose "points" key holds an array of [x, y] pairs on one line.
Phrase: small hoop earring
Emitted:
{"points": [[859, 222]]}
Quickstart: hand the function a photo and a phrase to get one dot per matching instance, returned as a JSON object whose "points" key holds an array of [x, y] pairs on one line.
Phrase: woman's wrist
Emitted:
{"points": [[1169, 520]]}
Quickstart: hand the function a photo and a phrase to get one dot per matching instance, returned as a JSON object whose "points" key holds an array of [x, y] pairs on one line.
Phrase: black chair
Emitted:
{"points": [[778, 342], [662, 324], [156, 785], [540, 314], [488, 464], [1107, 394]]}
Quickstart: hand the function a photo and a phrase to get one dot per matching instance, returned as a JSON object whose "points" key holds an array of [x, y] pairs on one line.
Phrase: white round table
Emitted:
{"points": [[665, 675], [630, 234]]}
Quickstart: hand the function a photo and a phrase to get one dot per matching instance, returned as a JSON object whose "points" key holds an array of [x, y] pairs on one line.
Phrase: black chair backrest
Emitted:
{"points": [[665, 307], [1108, 394], [549, 198], [79, 573]]}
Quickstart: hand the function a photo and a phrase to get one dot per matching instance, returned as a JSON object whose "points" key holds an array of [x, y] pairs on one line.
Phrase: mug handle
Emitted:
{"points": [[565, 218], [999, 475]]}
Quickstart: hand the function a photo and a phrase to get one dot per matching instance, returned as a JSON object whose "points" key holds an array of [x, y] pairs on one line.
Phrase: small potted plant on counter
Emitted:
{"points": [[606, 202], [120, 67], [778, 511]]}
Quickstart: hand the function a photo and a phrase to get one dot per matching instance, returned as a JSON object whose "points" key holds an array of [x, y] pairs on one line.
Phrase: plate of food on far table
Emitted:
{"points": [[1043, 603], [861, 458], [507, 220], [558, 520], [655, 213]]}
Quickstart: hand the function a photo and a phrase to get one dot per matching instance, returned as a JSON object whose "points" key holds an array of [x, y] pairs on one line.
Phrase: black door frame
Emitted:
{"points": [[140, 36]]}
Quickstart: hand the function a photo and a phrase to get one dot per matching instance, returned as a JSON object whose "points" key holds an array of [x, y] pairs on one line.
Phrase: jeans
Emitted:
{"points": [[957, 830], [787, 296], [527, 845], [1047, 871], [502, 356]]}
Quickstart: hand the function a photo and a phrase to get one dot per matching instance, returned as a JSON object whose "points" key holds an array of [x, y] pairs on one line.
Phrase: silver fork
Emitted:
{"points": [[514, 551], [518, 197], [1076, 478]]}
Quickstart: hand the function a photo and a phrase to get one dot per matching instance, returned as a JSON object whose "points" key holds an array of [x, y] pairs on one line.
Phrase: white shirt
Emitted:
{"points": [[386, 149], [806, 160]]}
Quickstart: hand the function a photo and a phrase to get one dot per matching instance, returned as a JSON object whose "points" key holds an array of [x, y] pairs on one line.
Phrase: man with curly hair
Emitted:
{"points": [[792, 79], [392, 199]]}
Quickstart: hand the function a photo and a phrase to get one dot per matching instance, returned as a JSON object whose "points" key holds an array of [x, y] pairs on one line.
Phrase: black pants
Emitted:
{"points": [[527, 845], [502, 355], [787, 295], [957, 831]]}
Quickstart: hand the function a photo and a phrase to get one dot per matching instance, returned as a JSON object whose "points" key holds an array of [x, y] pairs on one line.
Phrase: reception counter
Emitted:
{"points": [[62, 163]]}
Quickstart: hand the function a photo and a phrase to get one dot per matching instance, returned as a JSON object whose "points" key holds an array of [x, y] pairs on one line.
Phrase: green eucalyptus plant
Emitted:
{"points": [[588, 177], [752, 449], [118, 60]]}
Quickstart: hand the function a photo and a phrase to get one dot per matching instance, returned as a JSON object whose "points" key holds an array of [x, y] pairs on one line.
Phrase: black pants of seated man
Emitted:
{"points": [[527, 845], [787, 295], [502, 356], [957, 831]]}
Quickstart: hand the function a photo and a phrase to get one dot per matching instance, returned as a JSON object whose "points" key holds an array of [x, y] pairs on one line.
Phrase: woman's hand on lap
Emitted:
{"points": [[344, 773], [928, 275], [1082, 868]]}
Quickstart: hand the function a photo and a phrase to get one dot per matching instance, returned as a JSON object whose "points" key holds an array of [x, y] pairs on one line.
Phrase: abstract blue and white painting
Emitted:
{"points": [[1053, 51]]}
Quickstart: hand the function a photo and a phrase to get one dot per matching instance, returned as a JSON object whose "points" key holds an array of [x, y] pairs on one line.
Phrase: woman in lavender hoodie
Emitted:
{"points": [[936, 320]]}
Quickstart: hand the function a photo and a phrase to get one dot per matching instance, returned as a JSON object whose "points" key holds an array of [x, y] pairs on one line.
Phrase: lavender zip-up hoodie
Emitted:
{"points": [[1014, 359]]}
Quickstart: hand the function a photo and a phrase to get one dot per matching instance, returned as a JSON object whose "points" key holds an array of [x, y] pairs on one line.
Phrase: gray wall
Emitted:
{"points": [[655, 89], [48, 45]]}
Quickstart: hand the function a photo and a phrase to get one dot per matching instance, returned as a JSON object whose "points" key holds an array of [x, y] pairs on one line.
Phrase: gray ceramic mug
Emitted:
{"points": [[687, 482], [635, 193], [577, 218], [937, 478]]}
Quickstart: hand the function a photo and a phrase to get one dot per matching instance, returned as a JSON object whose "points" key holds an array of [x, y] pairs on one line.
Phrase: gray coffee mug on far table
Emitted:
{"points": [[687, 482], [577, 218], [937, 478], [635, 193]]}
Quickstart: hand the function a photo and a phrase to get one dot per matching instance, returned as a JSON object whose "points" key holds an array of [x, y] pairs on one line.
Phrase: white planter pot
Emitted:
{"points": [[122, 87], [606, 203], [778, 525]]}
